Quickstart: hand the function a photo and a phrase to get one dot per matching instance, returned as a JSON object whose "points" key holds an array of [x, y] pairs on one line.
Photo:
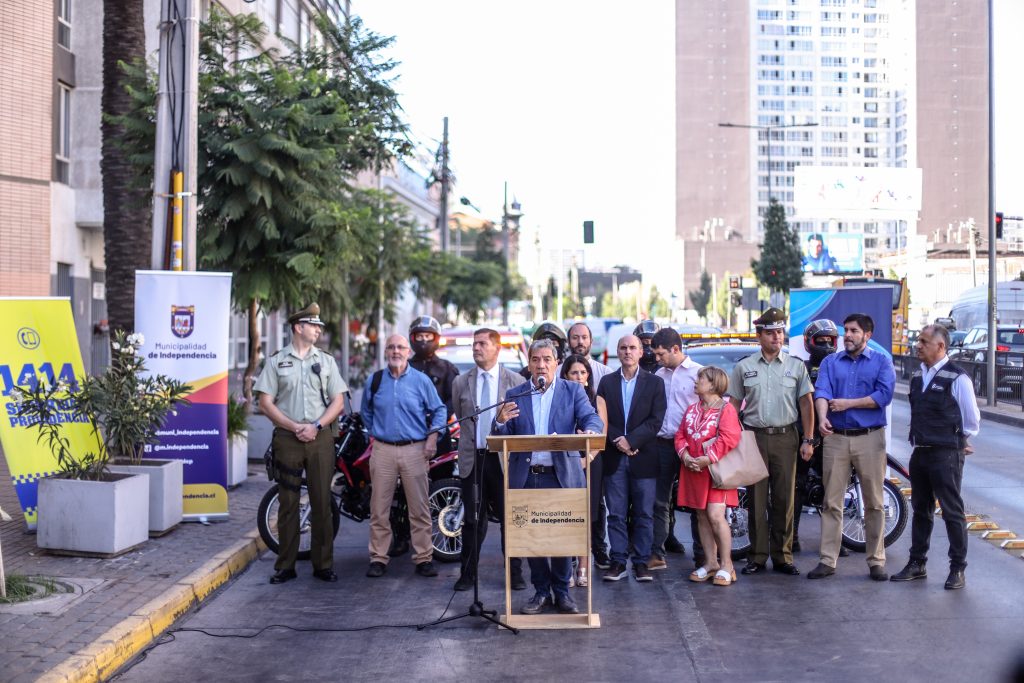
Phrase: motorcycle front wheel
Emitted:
{"points": [[739, 524], [266, 520], [896, 515], [445, 502]]}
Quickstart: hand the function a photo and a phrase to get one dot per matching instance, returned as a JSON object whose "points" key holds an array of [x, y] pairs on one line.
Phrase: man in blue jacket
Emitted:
{"points": [[547, 405]]}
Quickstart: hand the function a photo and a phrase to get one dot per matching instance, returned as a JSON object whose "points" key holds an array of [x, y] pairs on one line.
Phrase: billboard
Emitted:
{"points": [[848, 193], [839, 252]]}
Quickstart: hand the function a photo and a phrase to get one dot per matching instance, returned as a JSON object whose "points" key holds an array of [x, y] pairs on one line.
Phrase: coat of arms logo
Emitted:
{"points": [[183, 320], [520, 515]]}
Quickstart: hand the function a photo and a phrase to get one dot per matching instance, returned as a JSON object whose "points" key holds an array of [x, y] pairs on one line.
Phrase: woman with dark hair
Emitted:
{"points": [[576, 368]]}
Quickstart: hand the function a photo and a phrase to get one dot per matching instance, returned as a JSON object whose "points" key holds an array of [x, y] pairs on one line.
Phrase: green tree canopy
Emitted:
{"points": [[779, 266], [700, 297]]}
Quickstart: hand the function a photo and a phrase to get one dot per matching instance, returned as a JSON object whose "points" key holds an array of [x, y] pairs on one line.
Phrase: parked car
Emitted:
{"points": [[1009, 355]]}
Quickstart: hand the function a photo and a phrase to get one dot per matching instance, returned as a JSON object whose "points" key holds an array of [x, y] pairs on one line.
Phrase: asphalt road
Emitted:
{"points": [[765, 628]]}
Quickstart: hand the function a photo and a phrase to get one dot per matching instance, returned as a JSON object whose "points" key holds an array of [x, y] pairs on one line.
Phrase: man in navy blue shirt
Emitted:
{"points": [[853, 389], [404, 416]]}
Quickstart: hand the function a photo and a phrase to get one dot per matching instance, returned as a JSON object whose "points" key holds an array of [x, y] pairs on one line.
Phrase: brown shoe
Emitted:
{"points": [[656, 563]]}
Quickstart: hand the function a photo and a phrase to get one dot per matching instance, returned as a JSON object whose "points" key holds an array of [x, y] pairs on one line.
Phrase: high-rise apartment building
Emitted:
{"points": [[848, 83]]}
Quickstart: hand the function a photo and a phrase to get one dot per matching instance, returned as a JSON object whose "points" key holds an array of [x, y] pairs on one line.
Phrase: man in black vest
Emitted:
{"points": [[943, 416]]}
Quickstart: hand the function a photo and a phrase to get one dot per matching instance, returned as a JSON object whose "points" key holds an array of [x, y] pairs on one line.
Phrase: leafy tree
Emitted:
{"points": [[127, 235], [700, 297], [779, 266]]}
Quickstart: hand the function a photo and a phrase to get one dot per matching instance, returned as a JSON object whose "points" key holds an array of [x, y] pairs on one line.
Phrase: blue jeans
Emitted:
{"points": [[621, 488], [548, 574]]}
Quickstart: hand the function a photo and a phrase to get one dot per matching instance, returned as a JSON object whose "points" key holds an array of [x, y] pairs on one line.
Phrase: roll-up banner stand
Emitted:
{"points": [[184, 317]]}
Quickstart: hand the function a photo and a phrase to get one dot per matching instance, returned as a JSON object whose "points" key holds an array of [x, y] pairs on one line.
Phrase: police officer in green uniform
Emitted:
{"points": [[300, 390], [777, 392]]}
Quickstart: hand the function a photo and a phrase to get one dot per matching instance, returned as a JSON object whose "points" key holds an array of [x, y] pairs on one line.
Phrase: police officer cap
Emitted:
{"points": [[310, 314], [772, 319]]}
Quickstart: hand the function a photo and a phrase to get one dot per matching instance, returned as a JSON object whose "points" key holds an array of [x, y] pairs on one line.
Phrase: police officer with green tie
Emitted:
{"points": [[774, 391], [300, 390]]}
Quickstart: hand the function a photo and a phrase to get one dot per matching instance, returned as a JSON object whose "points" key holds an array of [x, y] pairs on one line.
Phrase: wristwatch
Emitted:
{"points": [[318, 425], [808, 441]]}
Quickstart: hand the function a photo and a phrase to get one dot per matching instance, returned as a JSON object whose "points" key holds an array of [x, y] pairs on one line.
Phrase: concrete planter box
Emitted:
{"points": [[238, 458], [93, 517], [166, 478]]}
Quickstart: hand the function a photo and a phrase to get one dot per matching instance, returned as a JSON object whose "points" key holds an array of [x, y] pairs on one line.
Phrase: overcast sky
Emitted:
{"points": [[573, 103]]}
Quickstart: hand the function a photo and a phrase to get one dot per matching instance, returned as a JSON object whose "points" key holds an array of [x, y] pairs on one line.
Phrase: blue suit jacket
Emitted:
{"points": [[570, 410]]}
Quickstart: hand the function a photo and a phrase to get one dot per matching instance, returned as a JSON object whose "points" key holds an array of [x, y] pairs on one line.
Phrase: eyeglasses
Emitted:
{"points": [[392, 347]]}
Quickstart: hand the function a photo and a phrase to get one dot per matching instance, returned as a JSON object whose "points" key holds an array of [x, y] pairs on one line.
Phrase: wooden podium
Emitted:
{"points": [[547, 523]]}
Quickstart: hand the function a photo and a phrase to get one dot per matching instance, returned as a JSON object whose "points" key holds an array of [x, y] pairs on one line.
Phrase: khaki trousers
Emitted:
{"points": [[387, 464], [866, 453]]}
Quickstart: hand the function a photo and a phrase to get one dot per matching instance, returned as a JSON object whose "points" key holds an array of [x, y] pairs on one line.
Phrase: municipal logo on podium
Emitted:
{"points": [[183, 320], [521, 515]]}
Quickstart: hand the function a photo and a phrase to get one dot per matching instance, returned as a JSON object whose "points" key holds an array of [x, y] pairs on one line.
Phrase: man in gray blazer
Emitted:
{"points": [[482, 386]]}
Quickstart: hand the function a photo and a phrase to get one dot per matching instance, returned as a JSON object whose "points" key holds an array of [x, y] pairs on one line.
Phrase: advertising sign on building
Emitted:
{"points": [[184, 317], [832, 252], [847, 193]]}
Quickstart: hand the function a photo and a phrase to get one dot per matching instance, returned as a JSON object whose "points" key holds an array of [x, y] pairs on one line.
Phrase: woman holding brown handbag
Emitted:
{"points": [[709, 430]]}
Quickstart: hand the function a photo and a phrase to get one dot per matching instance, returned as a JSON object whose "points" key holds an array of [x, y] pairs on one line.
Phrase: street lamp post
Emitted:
{"points": [[511, 213], [769, 128]]}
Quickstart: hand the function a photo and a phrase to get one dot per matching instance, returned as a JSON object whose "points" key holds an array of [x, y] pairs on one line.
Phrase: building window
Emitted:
{"points": [[64, 24], [62, 154]]}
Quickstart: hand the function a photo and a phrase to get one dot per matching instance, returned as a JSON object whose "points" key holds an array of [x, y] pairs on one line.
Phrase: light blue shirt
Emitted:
{"points": [[628, 387], [401, 407], [541, 413]]}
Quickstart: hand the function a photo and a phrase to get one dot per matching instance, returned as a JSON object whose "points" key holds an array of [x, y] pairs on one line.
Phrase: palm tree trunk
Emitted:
{"points": [[127, 234]]}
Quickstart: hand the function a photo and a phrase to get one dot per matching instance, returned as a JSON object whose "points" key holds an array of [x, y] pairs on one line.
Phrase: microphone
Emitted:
{"points": [[541, 383], [316, 369]]}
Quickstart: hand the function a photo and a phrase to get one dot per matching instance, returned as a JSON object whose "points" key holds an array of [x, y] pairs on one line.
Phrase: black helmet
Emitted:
{"points": [[646, 330], [820, 339], [424, 323], [554, 333]]}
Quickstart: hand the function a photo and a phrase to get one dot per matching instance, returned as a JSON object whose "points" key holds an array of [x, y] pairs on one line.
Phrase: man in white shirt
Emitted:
{"points": [[943, 416], [679, 373]]}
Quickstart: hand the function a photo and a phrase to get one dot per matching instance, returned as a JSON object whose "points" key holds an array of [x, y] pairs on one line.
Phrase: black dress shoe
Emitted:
{"points": [[915, 569], [518, 582], [464, 583], [283, 575], [376, 570], [601, 560], [426, 569], [821, 571], [566, 605], [672, 545], [878, 573], [752, 568], [956, 580], [327, 575], [843, 552], [786, 568]]}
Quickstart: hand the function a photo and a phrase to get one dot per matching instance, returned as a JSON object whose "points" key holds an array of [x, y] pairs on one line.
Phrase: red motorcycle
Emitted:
{"points": [[350, 495]]}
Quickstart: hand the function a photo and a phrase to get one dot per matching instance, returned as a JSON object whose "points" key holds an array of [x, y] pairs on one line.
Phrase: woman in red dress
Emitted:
{"points": [[709, 430]]}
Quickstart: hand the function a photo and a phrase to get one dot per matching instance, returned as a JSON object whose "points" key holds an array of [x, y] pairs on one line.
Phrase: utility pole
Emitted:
{"points": [[990, 374], [176, 153], [442, 218], [511, 213]]}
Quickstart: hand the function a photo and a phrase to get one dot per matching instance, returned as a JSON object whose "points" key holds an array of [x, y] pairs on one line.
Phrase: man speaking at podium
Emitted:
{"points": [[547, 405]]}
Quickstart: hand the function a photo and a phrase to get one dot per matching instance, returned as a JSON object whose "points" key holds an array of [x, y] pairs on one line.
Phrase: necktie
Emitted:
{"points": [[483, 427]]}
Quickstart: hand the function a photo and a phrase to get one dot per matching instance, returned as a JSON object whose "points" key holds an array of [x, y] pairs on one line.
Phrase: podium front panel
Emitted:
{"points": [[546, 523]]}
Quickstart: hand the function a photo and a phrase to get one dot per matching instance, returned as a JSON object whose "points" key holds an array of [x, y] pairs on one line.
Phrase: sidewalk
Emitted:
{"points": [[1003, 413], [120, 604]]}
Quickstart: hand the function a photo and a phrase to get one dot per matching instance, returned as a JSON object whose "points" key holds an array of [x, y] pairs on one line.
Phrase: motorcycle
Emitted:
{"points": [[897, 512], [350, 496]]}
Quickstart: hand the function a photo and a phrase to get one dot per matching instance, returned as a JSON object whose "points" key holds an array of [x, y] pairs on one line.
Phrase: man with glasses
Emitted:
{"points": [[396, 416]]}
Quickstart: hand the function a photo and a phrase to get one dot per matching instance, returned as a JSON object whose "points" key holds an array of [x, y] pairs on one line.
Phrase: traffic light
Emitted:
{"points": [[999, 225], [734, 282], [588, 232]]}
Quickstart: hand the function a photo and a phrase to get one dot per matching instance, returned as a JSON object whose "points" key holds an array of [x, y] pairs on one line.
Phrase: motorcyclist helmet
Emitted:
{"points": [[427, 348], [554, 333], [820, 339], [645, 331]]}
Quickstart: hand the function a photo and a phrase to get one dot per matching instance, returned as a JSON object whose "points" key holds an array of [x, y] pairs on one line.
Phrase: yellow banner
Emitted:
{"points": [[37, 340]]}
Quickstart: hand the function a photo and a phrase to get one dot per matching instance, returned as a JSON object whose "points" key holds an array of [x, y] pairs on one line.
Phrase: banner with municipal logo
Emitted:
{"points": [[184, 317], [38, 342]]}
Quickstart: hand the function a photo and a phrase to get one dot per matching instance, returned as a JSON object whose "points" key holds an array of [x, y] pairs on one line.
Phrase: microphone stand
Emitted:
{"points": [[477, 608]]}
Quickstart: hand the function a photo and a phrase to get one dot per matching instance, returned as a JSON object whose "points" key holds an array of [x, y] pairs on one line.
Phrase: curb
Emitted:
{"points": [[986, 413], [125, 640]]}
